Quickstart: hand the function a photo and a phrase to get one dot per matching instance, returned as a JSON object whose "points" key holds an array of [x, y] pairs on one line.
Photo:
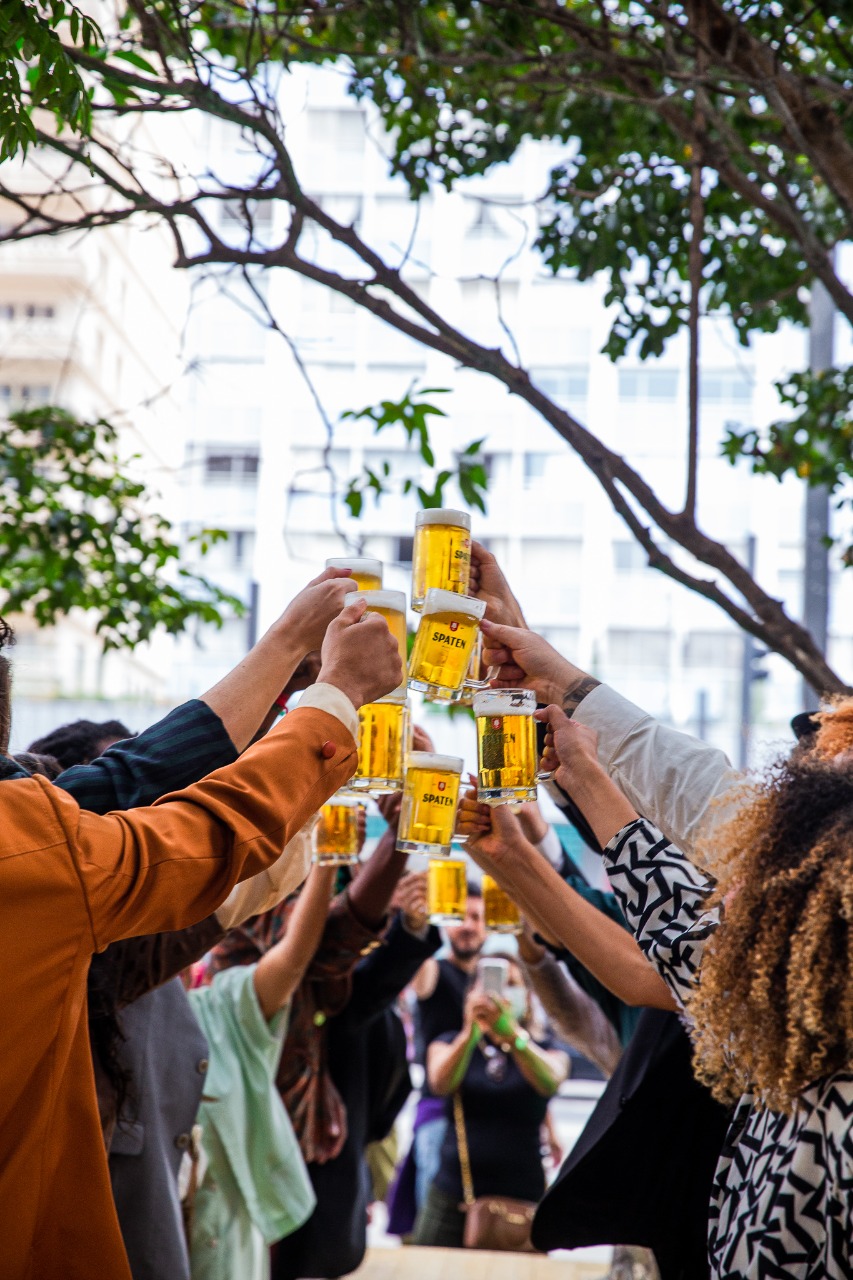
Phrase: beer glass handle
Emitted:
{"points": [[544, 775]]}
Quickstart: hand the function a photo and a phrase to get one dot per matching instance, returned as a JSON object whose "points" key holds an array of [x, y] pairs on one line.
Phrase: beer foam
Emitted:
{"points": [[443, 515], [358, 564], [429, 760], [503, 702], [395, 600], [437, 600]]}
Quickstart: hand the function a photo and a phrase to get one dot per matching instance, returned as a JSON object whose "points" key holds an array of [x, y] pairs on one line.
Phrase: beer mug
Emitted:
{"points": [[335, 834], [499, 911], [366, 573], [442, 553], [444, 643], [428, 811], [391, 605], [507, 757], [477, 676], [383, 739], [447, 890]]}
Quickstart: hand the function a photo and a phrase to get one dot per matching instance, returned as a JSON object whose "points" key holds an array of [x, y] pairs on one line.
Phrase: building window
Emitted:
{"points": [[239, 465], [648, 384], [713, 649], [403, 550], [564, 384], [24, 396], [638, 648], [726, 386]]}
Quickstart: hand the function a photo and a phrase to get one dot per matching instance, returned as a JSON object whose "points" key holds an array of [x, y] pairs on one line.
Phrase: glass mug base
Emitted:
{"points": [[335, 859], [418, 846], [376, 786], [437, 692], [504, 928], [506, 795], [446, 917]]}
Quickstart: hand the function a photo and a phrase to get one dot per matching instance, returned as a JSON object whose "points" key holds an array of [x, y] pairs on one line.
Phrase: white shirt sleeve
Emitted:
{"points": [[668, 776]]}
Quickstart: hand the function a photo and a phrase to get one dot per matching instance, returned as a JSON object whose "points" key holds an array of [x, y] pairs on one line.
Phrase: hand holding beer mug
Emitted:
{"points": [[428, 813], [336, 835], [507, 756], [441, 556], [444, 643], [365, 573], [447, 890], [390, 605]]}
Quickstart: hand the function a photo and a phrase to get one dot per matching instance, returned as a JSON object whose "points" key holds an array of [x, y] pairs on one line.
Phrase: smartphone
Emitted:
{"points": [[492, 974]]}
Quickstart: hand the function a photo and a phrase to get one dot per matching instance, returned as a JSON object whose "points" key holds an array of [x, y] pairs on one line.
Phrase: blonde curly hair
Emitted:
{"points": [[773, 1009]]}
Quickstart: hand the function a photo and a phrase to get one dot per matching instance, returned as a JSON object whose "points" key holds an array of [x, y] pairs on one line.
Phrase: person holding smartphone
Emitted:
{"points": [[503, 1079]]}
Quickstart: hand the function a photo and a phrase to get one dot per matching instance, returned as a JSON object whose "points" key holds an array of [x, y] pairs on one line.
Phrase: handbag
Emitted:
{"points": [[491, 1222]]}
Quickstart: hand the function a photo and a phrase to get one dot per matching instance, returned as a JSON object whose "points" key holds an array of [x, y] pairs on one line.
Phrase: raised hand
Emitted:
{"points": [[488, 583], [310, 612], [525, 660], [570, 748], [360, 656]]}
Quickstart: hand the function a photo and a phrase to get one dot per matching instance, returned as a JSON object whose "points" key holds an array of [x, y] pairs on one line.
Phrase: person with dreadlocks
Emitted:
{"points": [[760, 957]]}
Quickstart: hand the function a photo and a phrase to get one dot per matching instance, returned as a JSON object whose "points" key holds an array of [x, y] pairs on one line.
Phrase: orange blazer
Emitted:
{"points": [[70, 883]]}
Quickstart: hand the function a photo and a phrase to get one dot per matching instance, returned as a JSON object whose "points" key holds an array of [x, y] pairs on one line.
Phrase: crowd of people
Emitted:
{"points": [[208, 1039]]}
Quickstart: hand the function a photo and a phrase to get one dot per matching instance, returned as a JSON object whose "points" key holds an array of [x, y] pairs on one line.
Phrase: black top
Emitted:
{"points": [[503, 1117], [641, 1170], [442, 1011]]}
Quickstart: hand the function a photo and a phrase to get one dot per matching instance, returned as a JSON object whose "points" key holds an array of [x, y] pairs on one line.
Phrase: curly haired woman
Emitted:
{"points": [[762, 962]]}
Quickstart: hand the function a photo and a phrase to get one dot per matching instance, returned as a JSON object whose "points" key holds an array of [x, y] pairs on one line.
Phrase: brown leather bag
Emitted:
{"points": [[491, 1222]]}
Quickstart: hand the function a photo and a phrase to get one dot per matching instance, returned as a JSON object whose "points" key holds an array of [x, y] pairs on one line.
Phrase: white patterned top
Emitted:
{"points": [[782, 1199]]}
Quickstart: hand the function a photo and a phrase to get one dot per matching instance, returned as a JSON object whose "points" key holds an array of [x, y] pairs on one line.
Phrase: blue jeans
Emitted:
{"points": [[428, 1140]]}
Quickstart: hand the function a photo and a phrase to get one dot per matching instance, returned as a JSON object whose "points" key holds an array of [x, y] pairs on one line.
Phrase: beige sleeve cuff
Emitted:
{"points": [[327, 697]]}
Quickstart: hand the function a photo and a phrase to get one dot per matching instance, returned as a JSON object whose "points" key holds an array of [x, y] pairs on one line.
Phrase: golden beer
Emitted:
{"points": [[444, 643], [336, 832], [366, 573], [447, 890], [428, 811], [383, 733], [390, 605], [442, 553], [507, 757], [499, 911], [477, 676]]}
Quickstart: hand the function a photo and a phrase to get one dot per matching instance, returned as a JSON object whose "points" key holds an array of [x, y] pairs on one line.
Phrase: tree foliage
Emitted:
{"points": [[706, 167], [77, 533], [37, 71]]}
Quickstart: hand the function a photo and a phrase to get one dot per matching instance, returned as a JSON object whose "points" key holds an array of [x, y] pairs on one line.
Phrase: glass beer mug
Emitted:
{"points": [[391, 605], [500, 913], [366, 573], [507, 757], [428, 811], [447, 890], [444, 643], [335, 835], [441, 556], [383, 740]]}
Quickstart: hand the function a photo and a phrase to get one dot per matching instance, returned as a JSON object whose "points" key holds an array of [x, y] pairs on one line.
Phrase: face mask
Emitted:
{"points": [[516, 998]]}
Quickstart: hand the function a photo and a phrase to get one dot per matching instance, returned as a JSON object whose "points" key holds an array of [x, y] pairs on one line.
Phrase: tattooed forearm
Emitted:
{"points": [[573, 697]]}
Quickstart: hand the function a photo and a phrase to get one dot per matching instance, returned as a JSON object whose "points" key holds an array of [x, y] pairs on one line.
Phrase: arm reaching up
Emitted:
{"points": [[279, 972]]}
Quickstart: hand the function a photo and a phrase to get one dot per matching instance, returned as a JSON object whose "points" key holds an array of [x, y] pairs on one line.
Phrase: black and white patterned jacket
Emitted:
{"points": [[782, 1202]]}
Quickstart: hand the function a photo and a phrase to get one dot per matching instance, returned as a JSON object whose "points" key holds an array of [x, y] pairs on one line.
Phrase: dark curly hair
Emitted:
{"points": [[79, 742], [773, 1010]]}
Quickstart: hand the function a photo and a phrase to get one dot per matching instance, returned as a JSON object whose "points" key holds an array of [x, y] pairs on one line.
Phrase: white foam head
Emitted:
{"points": [[358, 564], [429, 760], [443, 515], [439, 601], [395, 600], [504, 702]]}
